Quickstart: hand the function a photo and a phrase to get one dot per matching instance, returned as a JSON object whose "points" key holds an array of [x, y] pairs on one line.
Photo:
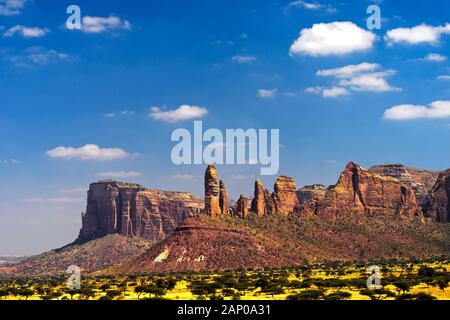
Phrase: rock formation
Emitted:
{"points": [[259, 200], [284, 198], [359, 190], [242, 207], [223, 199], [309, 197], [212, 206], [132, 210], [420, 180], [437, 205]]}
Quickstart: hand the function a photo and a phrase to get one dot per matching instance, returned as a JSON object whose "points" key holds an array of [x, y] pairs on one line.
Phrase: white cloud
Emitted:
{"points": [[435, 57], [370, 82], [184, 112], [361, 77], [88, 152], [119, 174], [311, 5], [267, 93], [306, 5], [348, 71], [116, 114], [101, 24], [335, 92], [417, 35], [336, 38], [26, 32], [36, 56], [315, 90], [243, 59], [436, 110], [11, 7], [445, 77]]}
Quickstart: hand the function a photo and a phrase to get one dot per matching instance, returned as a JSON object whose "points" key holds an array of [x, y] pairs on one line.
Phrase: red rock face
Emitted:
{"points": [[259, 200], [359, 190], [242, 207], [132, 210], [223, 199], [421, 181], [212, 206], [284, 198], [309, 197], [437, 205]]}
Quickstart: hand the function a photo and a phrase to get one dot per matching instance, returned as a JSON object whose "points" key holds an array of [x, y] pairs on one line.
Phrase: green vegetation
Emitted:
{"points": [[401, 280]]}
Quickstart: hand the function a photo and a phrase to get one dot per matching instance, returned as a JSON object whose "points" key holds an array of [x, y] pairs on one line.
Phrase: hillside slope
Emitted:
{"points": [[91, 256], [204, 243]]}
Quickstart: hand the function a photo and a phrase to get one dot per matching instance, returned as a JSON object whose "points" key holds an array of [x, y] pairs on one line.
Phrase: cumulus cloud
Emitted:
{"points": [[26, 32], [184, 112], [421, 34], [348, 71], [371, 82], [101, 24], [243, 59], [435, 57], [88, 152], [267, 93], [119, 174], [335, 92], [12, 7], [36, 56], [336, 38], [315, 90], [361, 77], [436, 110], [445, 77]]}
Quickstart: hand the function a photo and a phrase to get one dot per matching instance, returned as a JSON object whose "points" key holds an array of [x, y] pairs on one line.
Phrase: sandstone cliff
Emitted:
{"points": [[309, 198], [132, 210], [359, 190], [420, 180], [284, 198], [437, 205]]}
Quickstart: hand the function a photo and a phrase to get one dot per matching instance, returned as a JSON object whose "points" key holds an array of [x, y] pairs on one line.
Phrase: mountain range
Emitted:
{"points": [[387, 211]]}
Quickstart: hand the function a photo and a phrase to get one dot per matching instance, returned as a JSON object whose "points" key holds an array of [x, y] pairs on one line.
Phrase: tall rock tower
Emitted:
{"points": [[259, 200], [223, 198], [212, 206]]}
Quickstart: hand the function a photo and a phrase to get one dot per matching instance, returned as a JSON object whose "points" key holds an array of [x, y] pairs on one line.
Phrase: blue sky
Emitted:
{"points": [[244, 62]]}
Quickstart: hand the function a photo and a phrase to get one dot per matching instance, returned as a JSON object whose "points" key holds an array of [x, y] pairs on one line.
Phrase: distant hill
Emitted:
{"points": [[91, 256]]}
